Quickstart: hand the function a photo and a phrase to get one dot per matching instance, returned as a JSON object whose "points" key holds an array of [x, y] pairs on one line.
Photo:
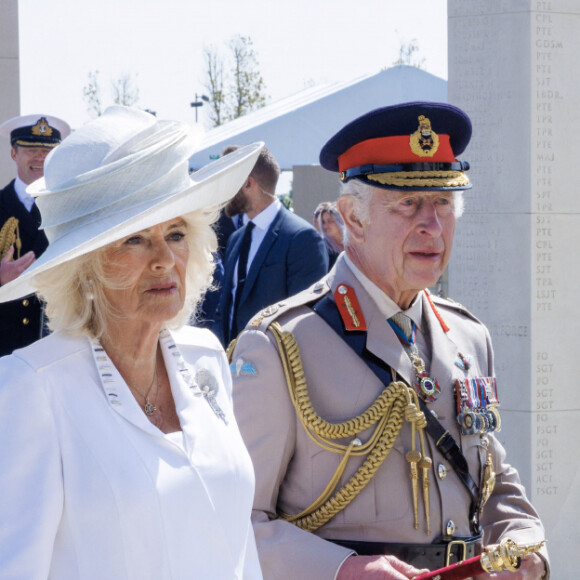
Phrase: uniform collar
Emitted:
{"points": [[20, 189], [383, 302]]}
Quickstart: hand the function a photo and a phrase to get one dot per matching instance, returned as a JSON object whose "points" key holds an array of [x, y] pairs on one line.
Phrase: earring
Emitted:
{"points": [[90, 294]]}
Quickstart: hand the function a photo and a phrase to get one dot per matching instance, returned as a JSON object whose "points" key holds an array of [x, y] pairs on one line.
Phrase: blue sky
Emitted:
{"points": [[160, 44]]}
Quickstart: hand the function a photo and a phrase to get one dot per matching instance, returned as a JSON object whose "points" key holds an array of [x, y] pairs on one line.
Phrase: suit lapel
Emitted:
{"points": [[232, 252], [268, 241], [381, 340], [192, 410], [230, 263], [383, 343], [445, 353], [118, 393]]}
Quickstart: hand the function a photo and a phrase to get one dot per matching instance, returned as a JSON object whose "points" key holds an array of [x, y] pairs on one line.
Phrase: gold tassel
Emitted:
{"points": [[10, 236], [413, 457], [425, 466], [488, 480]]}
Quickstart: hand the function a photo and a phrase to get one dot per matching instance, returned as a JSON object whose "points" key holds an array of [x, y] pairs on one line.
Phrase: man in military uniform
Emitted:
{"points": [[32, 137], [369, 405]]}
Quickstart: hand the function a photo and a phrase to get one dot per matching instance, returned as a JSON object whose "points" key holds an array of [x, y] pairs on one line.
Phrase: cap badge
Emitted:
{"points": [[424, 142], [42, 128]]}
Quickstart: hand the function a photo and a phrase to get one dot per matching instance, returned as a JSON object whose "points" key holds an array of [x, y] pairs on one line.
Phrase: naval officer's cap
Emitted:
{"points": [[35, 131], [407, 146]]}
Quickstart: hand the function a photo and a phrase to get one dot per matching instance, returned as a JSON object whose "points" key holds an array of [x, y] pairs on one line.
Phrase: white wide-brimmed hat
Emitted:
{"points": [[121, 173]]}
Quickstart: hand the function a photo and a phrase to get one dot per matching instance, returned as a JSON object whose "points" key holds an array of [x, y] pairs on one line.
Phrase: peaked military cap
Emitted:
{"points": [[35, 130], [406, 146]]}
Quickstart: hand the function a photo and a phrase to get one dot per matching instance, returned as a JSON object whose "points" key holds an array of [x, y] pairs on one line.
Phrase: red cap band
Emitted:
{"points": [[387, 150]]}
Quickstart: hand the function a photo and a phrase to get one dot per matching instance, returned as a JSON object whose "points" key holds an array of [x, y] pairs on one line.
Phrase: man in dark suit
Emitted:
{"points": [[281, 252], [32, 137]]}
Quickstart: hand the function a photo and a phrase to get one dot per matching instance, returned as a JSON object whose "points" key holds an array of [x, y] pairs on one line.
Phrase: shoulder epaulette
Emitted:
{"points": [[267, 315], [450, 304]]}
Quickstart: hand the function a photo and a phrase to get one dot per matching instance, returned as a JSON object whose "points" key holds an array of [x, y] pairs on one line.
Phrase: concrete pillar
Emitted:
{"points": [[514, 68], [9, 81]]}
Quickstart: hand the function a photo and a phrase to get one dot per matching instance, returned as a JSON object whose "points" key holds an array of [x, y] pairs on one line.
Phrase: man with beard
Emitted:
{"points": [[32, 137], [276, 254]]}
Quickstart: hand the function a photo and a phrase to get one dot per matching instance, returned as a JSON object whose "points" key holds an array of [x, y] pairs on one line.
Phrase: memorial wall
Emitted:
{"points": [[514, 68], [9, 80]]}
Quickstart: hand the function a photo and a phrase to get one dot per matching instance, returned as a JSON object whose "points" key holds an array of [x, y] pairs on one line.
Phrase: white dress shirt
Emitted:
{"points": [[20, 189], [262, 223]]}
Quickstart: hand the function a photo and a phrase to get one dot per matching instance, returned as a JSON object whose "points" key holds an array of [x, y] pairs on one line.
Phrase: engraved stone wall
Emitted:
{"points": [[9, 80], [514, 67]]}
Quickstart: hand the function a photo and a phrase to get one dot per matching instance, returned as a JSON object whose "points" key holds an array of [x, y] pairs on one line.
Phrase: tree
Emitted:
{"points": [[124, 91], [92, 95], [245, 86], [406, 54], [214, 84]]}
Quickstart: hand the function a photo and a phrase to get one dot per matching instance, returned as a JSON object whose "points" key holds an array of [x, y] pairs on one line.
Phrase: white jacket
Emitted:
{"points": [[90, 489]]}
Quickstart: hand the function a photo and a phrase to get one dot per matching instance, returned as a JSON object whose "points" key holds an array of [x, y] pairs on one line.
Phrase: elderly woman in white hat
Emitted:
{"points": [[121, 457]]}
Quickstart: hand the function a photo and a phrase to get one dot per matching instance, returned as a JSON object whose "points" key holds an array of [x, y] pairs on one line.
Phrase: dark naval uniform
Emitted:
{"points": [[297, 454], [20, 320]]}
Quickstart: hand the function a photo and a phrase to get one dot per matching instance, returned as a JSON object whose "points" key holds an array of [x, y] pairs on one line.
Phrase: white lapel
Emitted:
{"points": [[198, 402], [192, 398], [118, 393]]}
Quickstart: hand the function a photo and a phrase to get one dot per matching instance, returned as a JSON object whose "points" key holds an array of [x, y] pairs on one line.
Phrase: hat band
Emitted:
{"points": [[391, 150], [173, 182], [21, 143], [424, 180], [66, 199], [26, 137], [402, 167]]}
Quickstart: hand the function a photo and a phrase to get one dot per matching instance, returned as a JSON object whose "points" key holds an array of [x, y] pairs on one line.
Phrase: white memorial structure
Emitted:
{"points": [[9, 81], [514, 68]]}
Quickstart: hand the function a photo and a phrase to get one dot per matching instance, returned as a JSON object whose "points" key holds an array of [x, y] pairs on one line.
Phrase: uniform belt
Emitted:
{"points": [[433, 556]]}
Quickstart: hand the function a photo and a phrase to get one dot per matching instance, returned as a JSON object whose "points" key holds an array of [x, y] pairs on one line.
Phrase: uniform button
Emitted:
{"points": [[450, 529], [441, 471], [25, 321], [25, 302]]}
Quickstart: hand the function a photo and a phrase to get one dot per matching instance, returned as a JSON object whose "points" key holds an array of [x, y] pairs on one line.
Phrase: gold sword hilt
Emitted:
{"points": [[507, 555]]}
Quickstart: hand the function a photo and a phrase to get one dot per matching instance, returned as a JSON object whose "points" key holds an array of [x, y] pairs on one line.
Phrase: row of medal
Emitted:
{"points": [[477, 405]]}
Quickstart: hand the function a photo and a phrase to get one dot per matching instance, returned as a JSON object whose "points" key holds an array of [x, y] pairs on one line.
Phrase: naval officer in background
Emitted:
{"points": [[32, 137]]}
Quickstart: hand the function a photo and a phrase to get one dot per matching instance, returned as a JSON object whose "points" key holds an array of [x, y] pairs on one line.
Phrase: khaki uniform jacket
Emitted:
{"points": [[292, 470]]}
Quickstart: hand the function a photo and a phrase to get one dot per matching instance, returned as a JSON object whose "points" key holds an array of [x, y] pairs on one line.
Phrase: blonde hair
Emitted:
{"points": [[74, 291]]}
